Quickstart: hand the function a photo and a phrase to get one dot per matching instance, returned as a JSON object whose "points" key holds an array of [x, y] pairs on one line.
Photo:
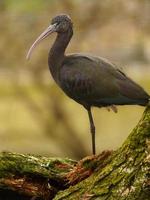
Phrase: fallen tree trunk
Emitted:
{"points": [[120, 175]]}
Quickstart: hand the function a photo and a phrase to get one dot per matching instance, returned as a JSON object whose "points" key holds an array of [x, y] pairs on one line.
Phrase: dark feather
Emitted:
{"points": [[95, 81]]}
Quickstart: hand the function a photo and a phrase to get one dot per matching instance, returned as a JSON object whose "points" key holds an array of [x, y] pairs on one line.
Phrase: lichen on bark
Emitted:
{"points": [[121, 175], [127, 173]]}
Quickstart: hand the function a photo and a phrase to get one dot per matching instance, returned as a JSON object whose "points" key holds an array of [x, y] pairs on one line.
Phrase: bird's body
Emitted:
{"points": [[110, 86], [89, 80]]}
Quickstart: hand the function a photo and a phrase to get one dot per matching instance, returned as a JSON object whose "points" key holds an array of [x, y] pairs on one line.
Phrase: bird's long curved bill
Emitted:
{"points": [[47, 32]]}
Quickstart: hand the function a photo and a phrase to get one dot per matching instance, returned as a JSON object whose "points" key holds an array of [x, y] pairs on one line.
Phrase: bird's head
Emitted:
{"points": [[60, 24]]}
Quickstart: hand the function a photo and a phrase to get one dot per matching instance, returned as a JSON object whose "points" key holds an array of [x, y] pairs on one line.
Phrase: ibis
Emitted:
{"points": [[87, 79]]}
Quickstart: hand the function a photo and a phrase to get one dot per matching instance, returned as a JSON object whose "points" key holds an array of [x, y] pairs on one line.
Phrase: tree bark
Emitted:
{"points": [[121, 175]]}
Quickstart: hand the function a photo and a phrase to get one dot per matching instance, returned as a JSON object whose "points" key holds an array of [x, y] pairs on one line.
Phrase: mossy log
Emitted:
{"points": [[121, 175]]}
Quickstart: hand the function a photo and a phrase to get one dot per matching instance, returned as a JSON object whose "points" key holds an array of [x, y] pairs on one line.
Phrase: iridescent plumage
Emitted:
{"points": [[89, 80]]}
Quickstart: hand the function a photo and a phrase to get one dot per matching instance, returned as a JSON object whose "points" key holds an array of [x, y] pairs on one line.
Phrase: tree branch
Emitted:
{"points": [[119, 175]]}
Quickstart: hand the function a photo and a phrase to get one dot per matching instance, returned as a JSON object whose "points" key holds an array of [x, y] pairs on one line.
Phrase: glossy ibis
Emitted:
{"points": [[89, 80]]}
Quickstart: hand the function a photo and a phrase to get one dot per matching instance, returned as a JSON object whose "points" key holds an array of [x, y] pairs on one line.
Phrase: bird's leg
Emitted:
{"points": [[92, 127]]}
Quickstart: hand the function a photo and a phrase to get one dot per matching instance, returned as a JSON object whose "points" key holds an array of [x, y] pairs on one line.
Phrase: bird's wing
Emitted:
{"points": [[131, 89], [86, 77], [94, 79]]}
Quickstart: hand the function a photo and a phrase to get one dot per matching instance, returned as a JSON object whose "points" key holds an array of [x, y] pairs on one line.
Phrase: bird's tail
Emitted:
{"points": [[145, 102]]}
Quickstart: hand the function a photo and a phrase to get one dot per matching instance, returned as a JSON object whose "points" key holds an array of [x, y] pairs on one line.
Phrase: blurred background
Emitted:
{"points": [[35, 116]]}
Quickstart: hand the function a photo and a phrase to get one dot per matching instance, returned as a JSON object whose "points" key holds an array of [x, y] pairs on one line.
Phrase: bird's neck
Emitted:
{"points": [[57, 52]]}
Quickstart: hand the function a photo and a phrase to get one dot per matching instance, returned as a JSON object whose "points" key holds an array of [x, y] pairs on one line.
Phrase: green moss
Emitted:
{"points": [[26, 164], [124, 176]]}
